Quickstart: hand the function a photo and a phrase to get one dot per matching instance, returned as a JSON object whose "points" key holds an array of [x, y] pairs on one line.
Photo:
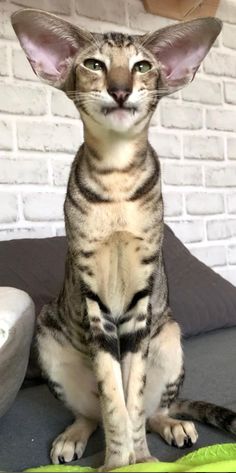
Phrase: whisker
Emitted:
{"points": [[82, 99]]}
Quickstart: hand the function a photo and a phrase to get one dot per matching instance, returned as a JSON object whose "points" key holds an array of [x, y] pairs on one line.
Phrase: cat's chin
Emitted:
{"points": [[121, 120]]}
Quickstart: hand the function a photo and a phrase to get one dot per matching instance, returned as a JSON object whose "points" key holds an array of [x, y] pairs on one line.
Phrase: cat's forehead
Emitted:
{"points": [[120, 40], [118, 45]]}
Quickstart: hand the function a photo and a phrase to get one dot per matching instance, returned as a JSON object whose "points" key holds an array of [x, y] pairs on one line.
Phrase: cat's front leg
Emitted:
{"points": [[106, 363], [134, 334]]}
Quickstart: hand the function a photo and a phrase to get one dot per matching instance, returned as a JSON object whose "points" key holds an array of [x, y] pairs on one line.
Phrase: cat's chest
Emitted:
{"points": [[120, 242], [104, 220]]}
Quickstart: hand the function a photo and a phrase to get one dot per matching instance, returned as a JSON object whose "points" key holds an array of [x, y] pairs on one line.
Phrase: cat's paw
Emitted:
{"points": [[181, 434], [118, 460], [143, 454], [67, 448]]}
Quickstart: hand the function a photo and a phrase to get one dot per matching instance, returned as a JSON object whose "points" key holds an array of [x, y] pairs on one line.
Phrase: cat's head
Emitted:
{"points": [[114, 79]]}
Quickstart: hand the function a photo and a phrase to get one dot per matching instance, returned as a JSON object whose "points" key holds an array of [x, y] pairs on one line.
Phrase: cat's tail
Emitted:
{"points": [[205, 412]]}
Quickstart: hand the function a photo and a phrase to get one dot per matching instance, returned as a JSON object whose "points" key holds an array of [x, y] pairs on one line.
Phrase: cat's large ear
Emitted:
{"points": [[181, 48], [49, 42]]}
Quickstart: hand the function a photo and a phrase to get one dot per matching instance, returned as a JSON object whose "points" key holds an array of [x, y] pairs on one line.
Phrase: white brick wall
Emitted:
{"points": [[40, 135], [181, 116], [221, 63], [204, 91], [230, 92], [208, 147], [201, 203], [41, 206], [194, 134]]}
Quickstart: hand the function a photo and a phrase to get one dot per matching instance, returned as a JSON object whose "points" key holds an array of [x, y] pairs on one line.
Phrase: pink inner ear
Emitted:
{"points": [[188, 65], [47, 54], [181, 48], [181, 60]]}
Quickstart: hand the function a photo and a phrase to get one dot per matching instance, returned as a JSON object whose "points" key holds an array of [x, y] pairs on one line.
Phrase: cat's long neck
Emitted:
{"points": [[115, 150]]}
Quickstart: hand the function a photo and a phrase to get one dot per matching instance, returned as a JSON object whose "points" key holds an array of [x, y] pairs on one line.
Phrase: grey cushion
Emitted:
{"points": [[201, 300], [28, 428], [35, 266]]}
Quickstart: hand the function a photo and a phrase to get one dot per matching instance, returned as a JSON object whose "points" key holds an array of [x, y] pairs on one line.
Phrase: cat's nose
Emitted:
{"points": [[120, 95]]}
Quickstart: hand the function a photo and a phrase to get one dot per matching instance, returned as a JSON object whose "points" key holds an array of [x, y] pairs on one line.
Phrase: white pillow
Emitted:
{"points": [[17, 316]]}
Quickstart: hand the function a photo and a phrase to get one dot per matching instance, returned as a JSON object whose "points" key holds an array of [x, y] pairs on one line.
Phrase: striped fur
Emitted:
{"points": [[109, 345]]}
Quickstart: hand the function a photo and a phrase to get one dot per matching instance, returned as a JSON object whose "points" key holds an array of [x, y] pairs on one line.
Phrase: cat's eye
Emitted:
{"points": [[142, 66], [94, 64]]}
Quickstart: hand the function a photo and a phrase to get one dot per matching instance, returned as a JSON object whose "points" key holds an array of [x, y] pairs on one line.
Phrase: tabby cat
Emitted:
{"points": [[109, 345]]}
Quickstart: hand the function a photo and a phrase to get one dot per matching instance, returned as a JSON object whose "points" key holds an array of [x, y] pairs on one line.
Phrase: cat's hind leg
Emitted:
{"points": [[164, 378], [178, 433]]}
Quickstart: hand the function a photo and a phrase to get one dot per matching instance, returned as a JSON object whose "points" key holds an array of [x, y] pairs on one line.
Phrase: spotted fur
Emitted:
{"points": [[109, 345]]}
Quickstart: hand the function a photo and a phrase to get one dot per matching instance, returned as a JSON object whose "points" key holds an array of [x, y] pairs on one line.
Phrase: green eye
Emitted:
{"points": [[94, 64], [142, 66]]}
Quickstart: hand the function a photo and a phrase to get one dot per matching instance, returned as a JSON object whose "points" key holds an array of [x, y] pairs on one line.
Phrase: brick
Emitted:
{"points": [[182, 175], [231, 203], [62, 106], [108, 26], [220, 64], [202, 203], [53, 6], [173, 204], [23, 171], [204, 91], [18, 233], [21, 66], [224, 120], [22, 100], [229, 36], [5, 135], [95, 26], [221, 229], [230, 92], [227, 273], [203, 147], [9, 207], [173, 95], [3, 61], [60, 231], [180, 116], [90, 24], [220, 176], [166, 145], [47, 206], [227, 11], [231, 145], [188, 231], [216, 44], [61, 170], [211, 256], [6, 30], [41, 136], [155, 120], [140, 19], [232, 254], [102, 10]]}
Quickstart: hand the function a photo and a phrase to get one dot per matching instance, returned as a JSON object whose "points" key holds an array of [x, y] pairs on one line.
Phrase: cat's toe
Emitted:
{"points": [[183, 434], [65, 450], [118, 461]]}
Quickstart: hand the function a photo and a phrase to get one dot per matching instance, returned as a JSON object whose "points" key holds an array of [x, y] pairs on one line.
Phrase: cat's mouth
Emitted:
{"points": [[117, 109]]}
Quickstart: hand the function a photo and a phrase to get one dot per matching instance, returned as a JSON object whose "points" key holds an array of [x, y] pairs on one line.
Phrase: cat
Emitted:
{"points": [[109, 344]]}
